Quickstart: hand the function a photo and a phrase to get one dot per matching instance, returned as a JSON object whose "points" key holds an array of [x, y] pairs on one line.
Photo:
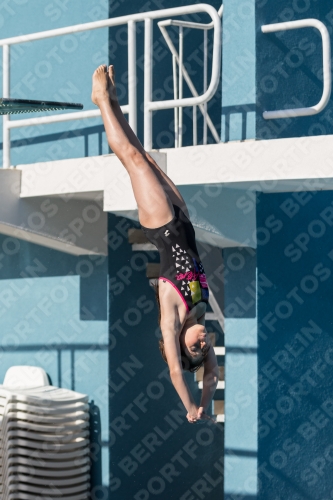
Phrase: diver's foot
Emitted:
{"points": [[112, 84], [100, 84]]}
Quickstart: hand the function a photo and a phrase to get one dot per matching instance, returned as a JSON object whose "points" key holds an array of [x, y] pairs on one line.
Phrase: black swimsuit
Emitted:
{"points": [[180, 262]]}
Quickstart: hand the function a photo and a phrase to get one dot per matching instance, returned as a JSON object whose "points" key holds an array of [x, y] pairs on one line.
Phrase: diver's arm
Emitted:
{"points": [[172, 352], [210, 379], [185, 395]]}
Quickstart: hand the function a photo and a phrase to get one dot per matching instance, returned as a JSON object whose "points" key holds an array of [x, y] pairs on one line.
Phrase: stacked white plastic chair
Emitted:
{"points": [[44, 439]]}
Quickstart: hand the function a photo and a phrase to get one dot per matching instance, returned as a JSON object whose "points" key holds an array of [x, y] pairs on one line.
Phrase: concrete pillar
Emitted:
{"points": [[238, 70]]}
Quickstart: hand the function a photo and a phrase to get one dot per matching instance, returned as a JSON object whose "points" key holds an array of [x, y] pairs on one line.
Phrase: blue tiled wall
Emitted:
{"points": [[57, 69], [289, 69], [163, 121], [154, 452], [241, 360], [295, 346], [51, 317], [238, 70]]}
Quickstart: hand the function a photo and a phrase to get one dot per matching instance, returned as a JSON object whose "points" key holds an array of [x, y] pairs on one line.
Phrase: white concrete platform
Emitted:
{"points": [[272, 165], [218, 183], [69, 225]]}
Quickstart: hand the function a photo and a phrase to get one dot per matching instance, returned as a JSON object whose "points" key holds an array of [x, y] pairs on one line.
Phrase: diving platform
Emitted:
{"points": [[214, 179]]}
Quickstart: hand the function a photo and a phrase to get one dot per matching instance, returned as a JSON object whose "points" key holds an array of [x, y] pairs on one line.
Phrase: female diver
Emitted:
{"points": [[182, 291]]}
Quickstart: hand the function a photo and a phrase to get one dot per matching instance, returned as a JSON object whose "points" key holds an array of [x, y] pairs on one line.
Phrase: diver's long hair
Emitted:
{"points": [[187, 363]]}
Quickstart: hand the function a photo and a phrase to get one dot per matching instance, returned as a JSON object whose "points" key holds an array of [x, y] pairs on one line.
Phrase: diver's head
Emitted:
{"points": [[193, 340], [194, 346]]}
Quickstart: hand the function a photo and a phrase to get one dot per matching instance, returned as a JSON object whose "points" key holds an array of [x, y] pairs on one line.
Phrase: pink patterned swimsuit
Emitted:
{"points": [[180, 261]]}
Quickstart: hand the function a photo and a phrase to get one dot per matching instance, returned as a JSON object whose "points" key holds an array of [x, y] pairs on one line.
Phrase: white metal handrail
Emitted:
{"points": [[149, 105], [177, 57], [327, 80]]}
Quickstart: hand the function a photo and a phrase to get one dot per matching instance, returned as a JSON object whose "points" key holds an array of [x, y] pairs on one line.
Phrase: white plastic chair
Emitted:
{"points": [[44, 396], [77, 482], [23, 377], [26, 496], [62, 412], [20, 486], [67, 465], [44, 438], [73, 418], [12, 424], [60, 467], [58, 439], [43, 476], [68, 455], [56, 449]]}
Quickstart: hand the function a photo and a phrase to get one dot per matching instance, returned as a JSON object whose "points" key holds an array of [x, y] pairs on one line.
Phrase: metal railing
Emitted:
{"points": [[131, 107], [327, 78], [177, 58]]}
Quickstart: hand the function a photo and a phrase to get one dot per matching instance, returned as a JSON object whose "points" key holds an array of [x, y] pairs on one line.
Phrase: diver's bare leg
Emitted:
{"points": [[170, 188], [155, 207]]}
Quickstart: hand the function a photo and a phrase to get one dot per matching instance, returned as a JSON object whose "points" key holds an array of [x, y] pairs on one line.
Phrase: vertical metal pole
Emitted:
{"points": [[132, 118], [148, 84], [73, 369], [5, 92], [180, 127], [205, 84], [175, 96], [195, 129]]}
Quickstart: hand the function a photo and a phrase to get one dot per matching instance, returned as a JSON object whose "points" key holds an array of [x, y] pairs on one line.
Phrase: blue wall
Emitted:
{"points": [[47, 318], [289, 68], [264, 72], [295, 347], [57, 69], [238, 70], [163, 121], [53, 314], [60, 69], [154, 452], [54, 308], [241, 401]]}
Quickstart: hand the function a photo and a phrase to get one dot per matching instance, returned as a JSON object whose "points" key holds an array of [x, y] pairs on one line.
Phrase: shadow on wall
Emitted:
{"points": [[97, 489], [296, 347], [53, 314], [241, 413], [87, 133], [163, 121], [155, 453], [27, 293], [24, 260], [289, 70], [240, 282], [238, 122]]}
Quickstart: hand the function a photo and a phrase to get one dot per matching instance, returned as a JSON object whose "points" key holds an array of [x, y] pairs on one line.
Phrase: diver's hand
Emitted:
{"points": [[203, 417], [201, 413], [192, 415], [198, 416]]}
